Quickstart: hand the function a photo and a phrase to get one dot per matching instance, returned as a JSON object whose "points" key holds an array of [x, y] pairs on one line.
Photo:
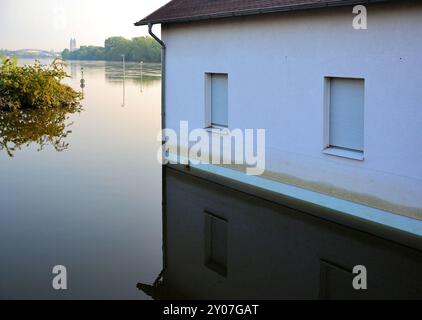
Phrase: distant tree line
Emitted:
{"points": [[4, 52], [25, 54], [138, 49]]}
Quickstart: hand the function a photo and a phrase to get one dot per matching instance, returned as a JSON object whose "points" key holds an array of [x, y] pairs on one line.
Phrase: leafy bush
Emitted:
{"points": [[34, 105], [35, 87]]}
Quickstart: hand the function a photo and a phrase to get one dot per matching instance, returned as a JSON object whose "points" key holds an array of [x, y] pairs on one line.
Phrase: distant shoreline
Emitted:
{"points": [[88, 60], [139, 49], [73, 60]]}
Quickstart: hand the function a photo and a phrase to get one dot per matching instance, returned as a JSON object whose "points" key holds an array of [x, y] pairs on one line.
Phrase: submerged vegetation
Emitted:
{"points": [[34, 105], [35, 87]]}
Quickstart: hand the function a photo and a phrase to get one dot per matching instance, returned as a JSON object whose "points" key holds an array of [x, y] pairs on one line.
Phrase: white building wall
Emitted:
{"points": [[277, 65]]}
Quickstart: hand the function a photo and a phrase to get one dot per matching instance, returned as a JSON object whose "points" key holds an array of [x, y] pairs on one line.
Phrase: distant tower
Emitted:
{"points": [[73, 46]]}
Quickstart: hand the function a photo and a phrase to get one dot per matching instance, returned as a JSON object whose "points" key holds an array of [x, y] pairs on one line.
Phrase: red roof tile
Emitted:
{"points": [[191, 10]]}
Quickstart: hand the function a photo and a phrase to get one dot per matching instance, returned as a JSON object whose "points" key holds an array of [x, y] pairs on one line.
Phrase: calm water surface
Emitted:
{"points": [[91, 200], [94, 206]]}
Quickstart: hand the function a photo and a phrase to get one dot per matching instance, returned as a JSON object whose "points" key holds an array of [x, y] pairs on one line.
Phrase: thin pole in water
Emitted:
{"points": [[124, 81], [82, 81], [142, 76]]}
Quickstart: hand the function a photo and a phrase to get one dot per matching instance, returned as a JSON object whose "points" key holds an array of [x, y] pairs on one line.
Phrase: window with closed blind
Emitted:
{"points": [[217, 99], [345, 114]]}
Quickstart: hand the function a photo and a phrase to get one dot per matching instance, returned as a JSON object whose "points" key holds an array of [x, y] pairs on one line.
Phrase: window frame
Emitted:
{"points": [[209, 262], [329, 149], [208, 101]]}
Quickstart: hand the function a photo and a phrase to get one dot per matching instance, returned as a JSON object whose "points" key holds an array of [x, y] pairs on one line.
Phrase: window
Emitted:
{"points": [[345, 112], [216, 244], [217, 99]]}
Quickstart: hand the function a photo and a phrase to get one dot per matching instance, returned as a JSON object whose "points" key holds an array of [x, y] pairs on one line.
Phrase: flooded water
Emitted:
{"points": [[85, 191], [92, 201], [224, 243]]}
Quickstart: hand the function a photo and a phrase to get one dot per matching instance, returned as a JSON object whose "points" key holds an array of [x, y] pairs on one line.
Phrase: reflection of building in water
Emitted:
{"points": [[73, 70], [220, 244]]}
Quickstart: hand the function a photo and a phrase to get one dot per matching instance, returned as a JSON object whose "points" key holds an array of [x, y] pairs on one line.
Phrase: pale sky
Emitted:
{"points": [[49, 24]]}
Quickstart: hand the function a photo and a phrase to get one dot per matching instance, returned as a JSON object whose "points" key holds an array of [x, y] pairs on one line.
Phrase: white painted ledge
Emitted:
{"points": [[343, 153], [361, 211]]}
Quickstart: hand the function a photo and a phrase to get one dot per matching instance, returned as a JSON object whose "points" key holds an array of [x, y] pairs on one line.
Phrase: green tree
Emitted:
{"points": [[138, 49], [115, 47], [66, 54], [145, 49]]}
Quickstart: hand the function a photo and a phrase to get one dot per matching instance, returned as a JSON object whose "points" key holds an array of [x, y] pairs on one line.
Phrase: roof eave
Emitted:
{"points": [[251, 12]]}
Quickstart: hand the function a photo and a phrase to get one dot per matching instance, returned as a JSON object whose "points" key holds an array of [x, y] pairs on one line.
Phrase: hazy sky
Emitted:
{"points": [[49, 24]]}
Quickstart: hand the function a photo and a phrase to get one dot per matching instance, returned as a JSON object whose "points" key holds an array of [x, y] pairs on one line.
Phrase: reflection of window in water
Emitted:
{"points": [[274, 248], [216, 243]]}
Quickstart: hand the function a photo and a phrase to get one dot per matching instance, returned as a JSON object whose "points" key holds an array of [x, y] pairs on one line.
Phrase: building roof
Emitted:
{"points": [[193, 10]]}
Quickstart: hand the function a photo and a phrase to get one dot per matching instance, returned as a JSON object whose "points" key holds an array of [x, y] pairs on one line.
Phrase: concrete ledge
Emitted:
{"points": [[396, 228]]}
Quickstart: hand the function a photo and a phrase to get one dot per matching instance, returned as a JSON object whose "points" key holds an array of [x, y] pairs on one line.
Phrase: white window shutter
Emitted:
{"points": [[347, 113], [219, 99]]}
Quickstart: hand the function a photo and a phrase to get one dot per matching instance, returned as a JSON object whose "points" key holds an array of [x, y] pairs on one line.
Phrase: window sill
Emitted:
{"points": [[343, 153], [222, 131]]}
